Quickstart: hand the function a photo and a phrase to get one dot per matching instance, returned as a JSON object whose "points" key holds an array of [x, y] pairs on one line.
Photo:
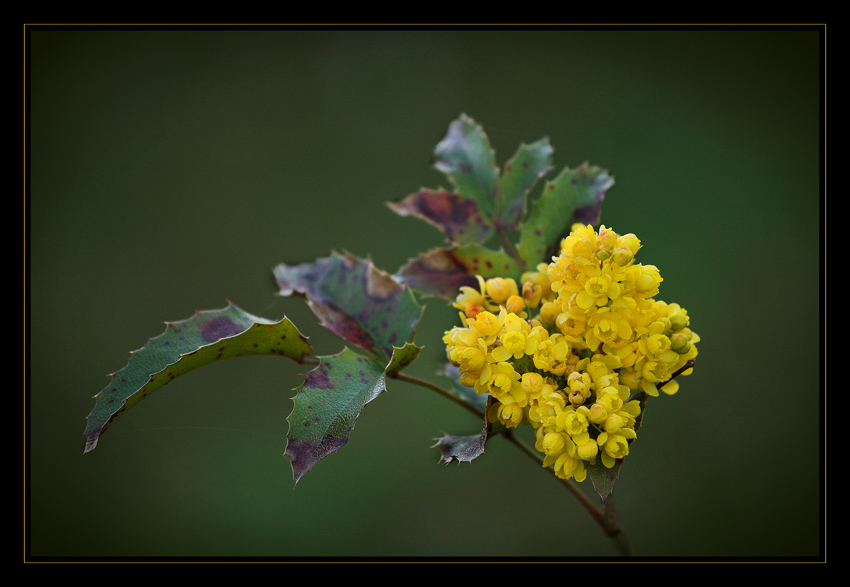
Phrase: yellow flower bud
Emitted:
{"points": [[515, 305], [598, 414], [603, 252], [606, 238], [613, 423], [553, 443], [532, 382], [549, 312], [586, 448], [679, 320], [646, 283], [679, 342], [531, 294], [629, 240], [622, 256]]}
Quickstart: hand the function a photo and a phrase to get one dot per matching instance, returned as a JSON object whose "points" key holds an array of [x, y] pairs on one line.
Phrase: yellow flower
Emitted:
{"points": [[532, 383], [500, 289], [553, 443], [510, 414], [567, 466], [471, 358], [470, 302], [586, 447], [574, 421], [572, 327], [656, 342], [580, 387], [581, 242], [614, 447], [600, 286], [565, 352], [607, 327], [646, 279], [549, 313], [622, 256], [551, 354], [513, 346], [515, 305], [502, 382], [486, 324], [547, 407], [516, 338]]}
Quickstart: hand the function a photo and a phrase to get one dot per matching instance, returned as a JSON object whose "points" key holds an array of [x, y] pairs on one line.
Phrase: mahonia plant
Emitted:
{"points": [[559, 329], [574, 350]]}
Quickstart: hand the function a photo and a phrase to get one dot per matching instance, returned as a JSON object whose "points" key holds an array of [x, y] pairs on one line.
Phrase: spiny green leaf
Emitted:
{"points": [[361, 304], [402, 357], [327, 405], [522, 171], [207, 337], [466, 157], [575, 195], [443, 271], [458, 218], [464, 449]]}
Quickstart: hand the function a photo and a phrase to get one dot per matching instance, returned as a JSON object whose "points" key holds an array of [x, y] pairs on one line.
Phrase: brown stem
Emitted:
{"points": [[607, 518], [510, 248], [446, 394], [689, 365]]}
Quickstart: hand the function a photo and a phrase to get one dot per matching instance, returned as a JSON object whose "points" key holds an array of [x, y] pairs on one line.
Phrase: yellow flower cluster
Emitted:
{"points": [[570, 349]]}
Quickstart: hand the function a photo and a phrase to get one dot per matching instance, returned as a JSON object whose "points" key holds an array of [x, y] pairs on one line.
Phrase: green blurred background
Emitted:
{"points": [[172, 169]]}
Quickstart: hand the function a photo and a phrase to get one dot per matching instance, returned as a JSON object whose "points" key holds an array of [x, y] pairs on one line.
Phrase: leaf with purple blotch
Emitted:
{"points": [[361, 304], [327, 406], [457, 217], [529, 163], [443, 271], [575, 195], [207, 337], [465, 156]]}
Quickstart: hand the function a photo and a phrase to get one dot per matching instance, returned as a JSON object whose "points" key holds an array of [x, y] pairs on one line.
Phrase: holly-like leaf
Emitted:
{"points": [[371, 311], [465, 156], [529, 163], [457, 217], [327, 405], [464, 449], [363, 305], [602, 477], [402, 357], [443, 271], [207, 337], [575, 195]]}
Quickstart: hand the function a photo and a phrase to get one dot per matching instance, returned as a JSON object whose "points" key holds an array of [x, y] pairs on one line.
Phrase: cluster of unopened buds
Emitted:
{"points": [[573, 348]]}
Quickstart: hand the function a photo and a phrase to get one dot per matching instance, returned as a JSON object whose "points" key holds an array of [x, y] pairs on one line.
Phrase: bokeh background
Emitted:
{"points": [[172, 169]]}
